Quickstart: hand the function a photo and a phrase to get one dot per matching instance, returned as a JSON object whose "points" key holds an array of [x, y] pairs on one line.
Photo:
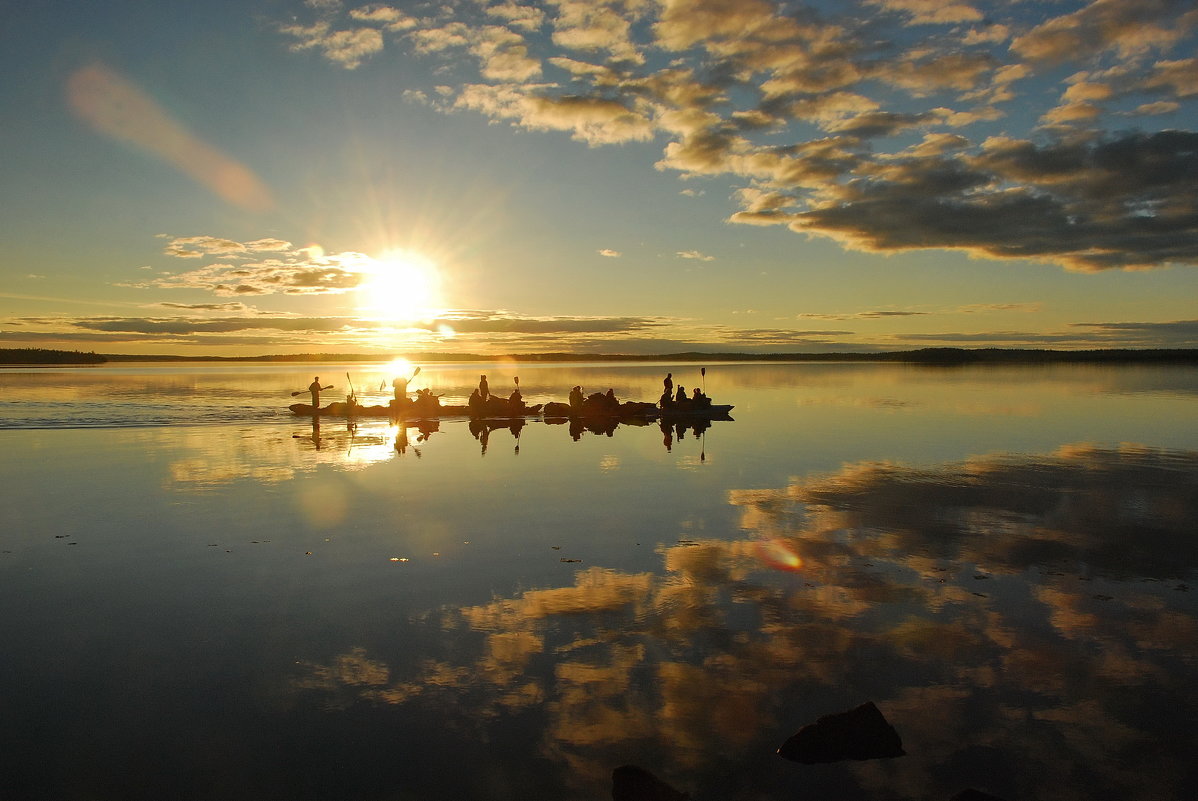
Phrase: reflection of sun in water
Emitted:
{"points": [[400, 286]]}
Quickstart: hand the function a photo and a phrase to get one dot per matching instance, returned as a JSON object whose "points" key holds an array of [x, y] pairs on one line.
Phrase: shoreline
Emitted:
{"points": [[929, 356]]}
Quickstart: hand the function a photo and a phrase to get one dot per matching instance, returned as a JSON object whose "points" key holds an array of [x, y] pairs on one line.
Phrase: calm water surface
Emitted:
{"points": [[204, 597]]}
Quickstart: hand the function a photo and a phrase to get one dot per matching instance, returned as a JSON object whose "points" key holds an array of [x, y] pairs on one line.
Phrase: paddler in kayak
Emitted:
{"points": [[400, 385], [315, 389]]}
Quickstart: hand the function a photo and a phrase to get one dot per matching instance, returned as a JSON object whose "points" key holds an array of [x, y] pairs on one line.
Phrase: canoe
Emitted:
{"points": [[411, 412], [634, 410]]}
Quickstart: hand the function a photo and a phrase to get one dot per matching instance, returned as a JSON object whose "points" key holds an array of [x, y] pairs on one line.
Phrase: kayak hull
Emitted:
{"points": [[626, 411], [339, 409]]}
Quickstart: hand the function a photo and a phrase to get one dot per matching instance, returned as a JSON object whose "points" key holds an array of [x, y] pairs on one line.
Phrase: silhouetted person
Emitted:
{"points": [[668, 383], [483, 389], [315, 389], [516, 400], [610, 401], [400, 385], [475, 402], [576, 398], [681, 396]]}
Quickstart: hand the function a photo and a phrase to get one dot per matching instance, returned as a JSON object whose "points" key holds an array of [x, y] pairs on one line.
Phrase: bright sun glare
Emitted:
{"points": [[400, 286]]}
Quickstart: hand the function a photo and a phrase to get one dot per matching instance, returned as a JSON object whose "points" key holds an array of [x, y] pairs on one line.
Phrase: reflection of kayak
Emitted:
{"points": [[411, 412]]}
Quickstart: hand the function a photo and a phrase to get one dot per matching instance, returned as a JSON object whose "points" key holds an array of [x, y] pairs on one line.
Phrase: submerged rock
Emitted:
{"points": [[630, 783], [974, 795], [861, 733]]}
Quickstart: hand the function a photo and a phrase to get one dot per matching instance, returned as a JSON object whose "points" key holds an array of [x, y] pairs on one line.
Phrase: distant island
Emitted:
{"points": [[941, 356], [34, 356]]}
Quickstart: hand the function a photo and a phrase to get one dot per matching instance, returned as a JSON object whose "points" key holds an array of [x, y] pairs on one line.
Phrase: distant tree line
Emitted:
{"points": [[47, 356], [935, 356]]}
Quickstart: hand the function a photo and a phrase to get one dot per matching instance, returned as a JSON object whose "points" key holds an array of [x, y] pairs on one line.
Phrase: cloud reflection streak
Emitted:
{"points": [[1015, 617]]}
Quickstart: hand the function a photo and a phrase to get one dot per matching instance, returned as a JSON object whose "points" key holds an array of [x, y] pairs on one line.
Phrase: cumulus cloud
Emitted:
{"points": [[609, 253], [872, 125], [347, 48]]}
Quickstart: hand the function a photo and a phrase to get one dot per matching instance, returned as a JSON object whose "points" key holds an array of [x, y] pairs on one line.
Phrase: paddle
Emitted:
{"points": [[703, 374], [302, 391]]}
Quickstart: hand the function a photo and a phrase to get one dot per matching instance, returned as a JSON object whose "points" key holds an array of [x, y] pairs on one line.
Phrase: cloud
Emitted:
{"points": [[877, 130], [1128, 29], [864, 315], [594, 120], [609, 253], [1177, 334], [348, 48], [231, 306], [194, 247], [930, 12], [694, 255]]}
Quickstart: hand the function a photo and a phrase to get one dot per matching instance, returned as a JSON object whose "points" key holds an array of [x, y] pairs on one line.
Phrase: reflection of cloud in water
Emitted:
{"points": [[1017, 620]]}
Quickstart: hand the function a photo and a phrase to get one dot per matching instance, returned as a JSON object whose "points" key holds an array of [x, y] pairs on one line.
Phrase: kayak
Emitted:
{"points": [[634, 410], [412, 412]]}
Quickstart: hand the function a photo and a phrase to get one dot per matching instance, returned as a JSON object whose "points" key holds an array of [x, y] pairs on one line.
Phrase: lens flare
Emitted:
{"points": [[779, 555]]}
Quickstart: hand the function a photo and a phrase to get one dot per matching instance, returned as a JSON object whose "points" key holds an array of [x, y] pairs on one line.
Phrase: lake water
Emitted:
{"points": [[204, 597]]}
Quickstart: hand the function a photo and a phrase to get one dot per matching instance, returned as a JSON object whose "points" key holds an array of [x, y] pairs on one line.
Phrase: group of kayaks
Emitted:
{"points": [[496, 408]]}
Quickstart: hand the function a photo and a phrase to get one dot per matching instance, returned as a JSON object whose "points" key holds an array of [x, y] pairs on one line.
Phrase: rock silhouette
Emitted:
{"points": [[861, 733], [631, 783]]}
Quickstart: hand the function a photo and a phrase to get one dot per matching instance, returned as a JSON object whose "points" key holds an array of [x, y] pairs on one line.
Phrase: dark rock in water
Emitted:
{"points": [[630, 783], [860, 733], [974, 795]]}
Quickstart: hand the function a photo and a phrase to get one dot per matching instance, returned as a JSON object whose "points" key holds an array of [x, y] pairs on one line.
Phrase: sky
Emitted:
{"points": [[248, 177]]}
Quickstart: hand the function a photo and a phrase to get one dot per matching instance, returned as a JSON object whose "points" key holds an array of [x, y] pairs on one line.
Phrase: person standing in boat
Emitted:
{"points": [[315, 389], [668, 383], [484, 391], [400, 385]]}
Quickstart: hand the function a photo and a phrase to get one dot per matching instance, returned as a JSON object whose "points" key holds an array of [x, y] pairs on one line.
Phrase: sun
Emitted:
{"points": [[400, 286]]}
